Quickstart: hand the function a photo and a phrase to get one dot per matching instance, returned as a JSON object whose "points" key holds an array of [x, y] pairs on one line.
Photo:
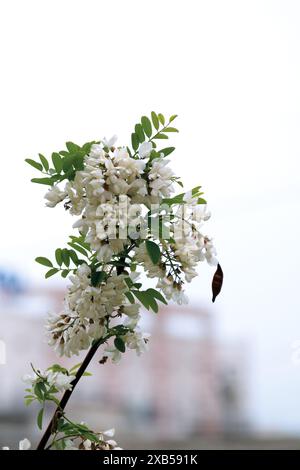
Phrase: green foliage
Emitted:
{"points": [[58, 256], [78, 248], [153, 251], [145, 129], [167, 151], [65, 256], [35, 164], [44, 162], [68, 428], [130, 297], [139, 132], [120, 344], [155, 120], [58, 368], [44, 261], [51, 272], [157, 295], [161, 119], [40, 418], [46, 181], [179, 199], [148, 298], [65, 163], [134, 141], [57, 162], [97, 277]]}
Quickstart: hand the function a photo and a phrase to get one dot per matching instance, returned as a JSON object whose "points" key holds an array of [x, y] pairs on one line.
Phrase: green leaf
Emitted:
{"points": [[166, 151], [28, 401], [89, 435], [38, 390], [128, 281], [161, 118], [78, 161], [130, 297], [44, 161], [139, 132], [67, 163], [65, 273], [134, 141], [44, 261], [65, 257], [80, 241], [97, 277], [147, 299], [78, 248], [72, 147], [58, 368], [57, 161], [152, 302], [47, 181], [75, 368], [173, 117], [58, 256], [201, 201], [142, 297], [51, 272], [160, 136], [155, 120], [147, 126], [153, 251], [179, 199], [74, 257], [119, 344], [40, 418], [170, 129], [35, 164], [157, 295]]}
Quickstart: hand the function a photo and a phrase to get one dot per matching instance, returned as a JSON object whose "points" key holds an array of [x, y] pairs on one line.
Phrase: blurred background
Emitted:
{"points": [[223, 375]]}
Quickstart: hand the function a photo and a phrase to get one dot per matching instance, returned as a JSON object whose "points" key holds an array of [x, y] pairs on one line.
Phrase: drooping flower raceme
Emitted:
{"points": [[128, 219]]}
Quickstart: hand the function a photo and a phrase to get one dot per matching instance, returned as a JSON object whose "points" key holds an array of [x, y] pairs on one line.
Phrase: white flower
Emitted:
{"points": [[132, 310], [145, 149], [137, 340], [70, 445], [59, 380], [110, 142], [113, 353], [109, 432], [24, 444], [160, 177], [54, 196]]}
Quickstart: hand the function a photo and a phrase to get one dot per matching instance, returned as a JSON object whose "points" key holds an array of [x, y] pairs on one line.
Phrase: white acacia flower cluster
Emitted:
{"points": [[110, 194], [105, 442], [90, 311], [58, 380], [182, 253]]}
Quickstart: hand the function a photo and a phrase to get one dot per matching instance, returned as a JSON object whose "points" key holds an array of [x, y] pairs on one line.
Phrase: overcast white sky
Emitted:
{"points": [[79, 70]]}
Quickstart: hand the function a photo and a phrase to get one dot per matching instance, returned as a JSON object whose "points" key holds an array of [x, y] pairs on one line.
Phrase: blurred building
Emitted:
{"points": [[187, 385]]}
